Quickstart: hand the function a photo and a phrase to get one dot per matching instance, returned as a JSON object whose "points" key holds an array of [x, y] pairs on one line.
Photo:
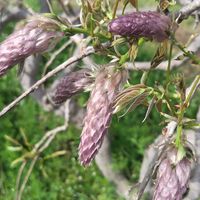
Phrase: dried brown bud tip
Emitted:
{"points": [[35, 37], [72, 84], [151, 25], [99, 113], [172, 178]]}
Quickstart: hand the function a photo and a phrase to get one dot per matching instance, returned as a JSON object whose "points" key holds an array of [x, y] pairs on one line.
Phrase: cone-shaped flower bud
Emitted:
{"points": [[172, 178], [99, 113], [151, 25], [37, 36], [71, 84]]}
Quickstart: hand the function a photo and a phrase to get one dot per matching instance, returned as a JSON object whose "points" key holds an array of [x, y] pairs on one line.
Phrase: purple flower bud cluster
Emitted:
{"points": [[99, 113], [99, 107], [37, 36], [172, 178], [150, 25], [71, 84]]}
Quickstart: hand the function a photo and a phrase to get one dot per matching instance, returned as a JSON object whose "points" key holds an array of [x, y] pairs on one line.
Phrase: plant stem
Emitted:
{"points": [[183, 107], [115, 8], [179, 129], [169, 62], [75, 30]]}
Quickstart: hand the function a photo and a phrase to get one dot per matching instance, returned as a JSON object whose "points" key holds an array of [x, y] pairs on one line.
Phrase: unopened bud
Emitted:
{"points": [[99, 113], [151, 25], [172, 177], [37, 36], [71, 84]]}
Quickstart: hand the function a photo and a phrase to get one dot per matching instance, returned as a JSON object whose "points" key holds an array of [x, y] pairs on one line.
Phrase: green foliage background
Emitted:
{"points": [[63, 178]]}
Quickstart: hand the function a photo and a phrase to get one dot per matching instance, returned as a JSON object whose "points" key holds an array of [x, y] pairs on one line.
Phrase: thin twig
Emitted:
{"points": [[54, 55], [87, 52]]}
